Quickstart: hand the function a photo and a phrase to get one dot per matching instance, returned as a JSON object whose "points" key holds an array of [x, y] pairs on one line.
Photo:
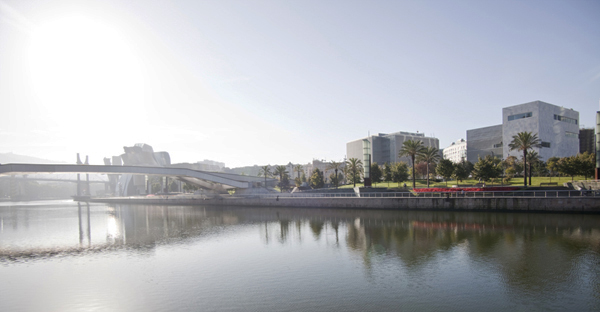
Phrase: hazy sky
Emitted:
{"points": [[269, 82]]}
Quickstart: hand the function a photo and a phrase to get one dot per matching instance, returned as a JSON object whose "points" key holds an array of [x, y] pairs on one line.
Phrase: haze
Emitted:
{"points": [[272, 82]]}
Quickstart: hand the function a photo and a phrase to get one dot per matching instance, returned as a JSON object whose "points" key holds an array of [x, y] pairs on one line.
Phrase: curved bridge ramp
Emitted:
{"points": [[205, 179]]}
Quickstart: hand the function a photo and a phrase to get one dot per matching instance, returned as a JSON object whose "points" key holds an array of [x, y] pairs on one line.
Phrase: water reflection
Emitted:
{"points": [[518, 256], [408, 235]]}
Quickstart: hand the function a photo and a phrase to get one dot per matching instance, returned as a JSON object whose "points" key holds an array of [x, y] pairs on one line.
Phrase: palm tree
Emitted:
{"points": [[298, 169], [354, 166], [335, 166], [532, 156], [524, 141], [280, 171], [429, 155], [411, 148], [266, 172]]}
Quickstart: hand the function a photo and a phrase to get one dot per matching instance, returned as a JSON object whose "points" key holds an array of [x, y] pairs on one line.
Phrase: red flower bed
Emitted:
{"points": [[466, 189]]}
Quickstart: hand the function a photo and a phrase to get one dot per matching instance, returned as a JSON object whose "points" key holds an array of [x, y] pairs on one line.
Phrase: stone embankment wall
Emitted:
{"points": [[566, 204], [588, 184]]}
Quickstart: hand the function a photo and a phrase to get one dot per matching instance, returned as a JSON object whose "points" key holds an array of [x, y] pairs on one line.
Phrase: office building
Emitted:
{"points": [[587, 139], [386, 147], [456, 152], [484, 141], [556, 127]]}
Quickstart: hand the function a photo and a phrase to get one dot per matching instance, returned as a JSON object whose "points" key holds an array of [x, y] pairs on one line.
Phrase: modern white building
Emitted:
{"points": [[484, 141], [557, 128], [386, 147], [457, 151]]}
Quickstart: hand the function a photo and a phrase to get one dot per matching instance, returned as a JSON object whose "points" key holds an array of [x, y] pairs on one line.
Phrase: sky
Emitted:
{"points": [[272, 82]]}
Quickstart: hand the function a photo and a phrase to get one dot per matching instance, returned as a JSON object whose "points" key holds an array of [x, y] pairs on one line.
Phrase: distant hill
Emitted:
{"points": [[10, 158]]}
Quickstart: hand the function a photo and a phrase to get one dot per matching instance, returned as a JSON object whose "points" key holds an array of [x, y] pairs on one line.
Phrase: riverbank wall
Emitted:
{"points": [[580, 204]]}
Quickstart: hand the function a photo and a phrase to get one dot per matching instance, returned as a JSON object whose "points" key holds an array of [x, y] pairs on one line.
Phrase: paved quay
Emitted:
{"points": [[565, 204]]}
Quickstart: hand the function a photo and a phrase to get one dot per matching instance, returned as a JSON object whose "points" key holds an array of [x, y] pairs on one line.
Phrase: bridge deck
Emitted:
{"points": [[232, 180]]}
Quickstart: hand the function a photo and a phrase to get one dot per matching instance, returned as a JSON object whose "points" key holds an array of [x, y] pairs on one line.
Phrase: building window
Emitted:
{"points": [[545, 144], [571, 135], [520, 116], [565, 119]]}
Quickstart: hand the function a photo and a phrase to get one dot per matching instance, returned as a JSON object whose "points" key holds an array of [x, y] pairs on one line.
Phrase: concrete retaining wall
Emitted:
{"points": [[572, 204]]}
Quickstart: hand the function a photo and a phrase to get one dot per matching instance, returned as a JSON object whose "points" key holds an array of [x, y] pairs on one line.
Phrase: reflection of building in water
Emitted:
{"points": [[148, 225], [521, 248]]}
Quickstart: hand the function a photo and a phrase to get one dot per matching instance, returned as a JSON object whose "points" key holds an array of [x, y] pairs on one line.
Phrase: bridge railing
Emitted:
{"points": [[480, 194]]}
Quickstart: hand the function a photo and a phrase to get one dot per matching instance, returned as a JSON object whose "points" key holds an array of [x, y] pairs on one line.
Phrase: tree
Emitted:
{"points": [[524, 141], [429, 155], [173, 186], [399, 172], [445, 168], [387, 173], [514, 163], [285, 183], [487, 168], [552, 165], [421, 169], [540, 169], [316, 179], [335, 166], [189, 187], [355, 168], [509, 173], [281, 172], [586, 164], [265, 171], [462, 170], [155, 184], [376, 173], [569, 166], [298, 168], [411, 149], [533, 158], [335, 179]]}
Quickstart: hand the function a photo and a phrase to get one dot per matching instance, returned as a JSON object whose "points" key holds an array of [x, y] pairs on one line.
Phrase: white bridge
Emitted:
{"points": [[205, 179]]}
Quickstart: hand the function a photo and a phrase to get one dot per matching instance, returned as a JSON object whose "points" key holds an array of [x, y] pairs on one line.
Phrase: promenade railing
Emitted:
{"points": [[479, 194]]}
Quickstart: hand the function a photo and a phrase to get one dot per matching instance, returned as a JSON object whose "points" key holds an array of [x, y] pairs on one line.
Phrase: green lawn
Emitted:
{"points": [[535, 181]]}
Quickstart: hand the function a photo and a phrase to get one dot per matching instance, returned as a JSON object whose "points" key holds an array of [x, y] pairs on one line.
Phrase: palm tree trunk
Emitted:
{"points": [[530, 173], [413, 170], [525, 167], [428, 174], [337, 182]]}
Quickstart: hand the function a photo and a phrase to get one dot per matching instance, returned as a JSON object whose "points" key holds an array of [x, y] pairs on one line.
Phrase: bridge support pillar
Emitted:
{"points": [[87, 185], [15, 187], [78, 185]]}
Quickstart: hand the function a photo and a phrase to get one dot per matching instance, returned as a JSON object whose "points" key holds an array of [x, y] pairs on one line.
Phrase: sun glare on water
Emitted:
{"points": [[78, 62]]}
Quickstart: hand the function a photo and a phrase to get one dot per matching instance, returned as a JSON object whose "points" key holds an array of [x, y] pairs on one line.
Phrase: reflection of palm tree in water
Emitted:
{"points": [[284, 229], [335, 225], [316, 227], [266, 232]]}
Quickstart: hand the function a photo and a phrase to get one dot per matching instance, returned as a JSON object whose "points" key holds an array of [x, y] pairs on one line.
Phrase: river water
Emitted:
{"points": [[61, 256]]}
